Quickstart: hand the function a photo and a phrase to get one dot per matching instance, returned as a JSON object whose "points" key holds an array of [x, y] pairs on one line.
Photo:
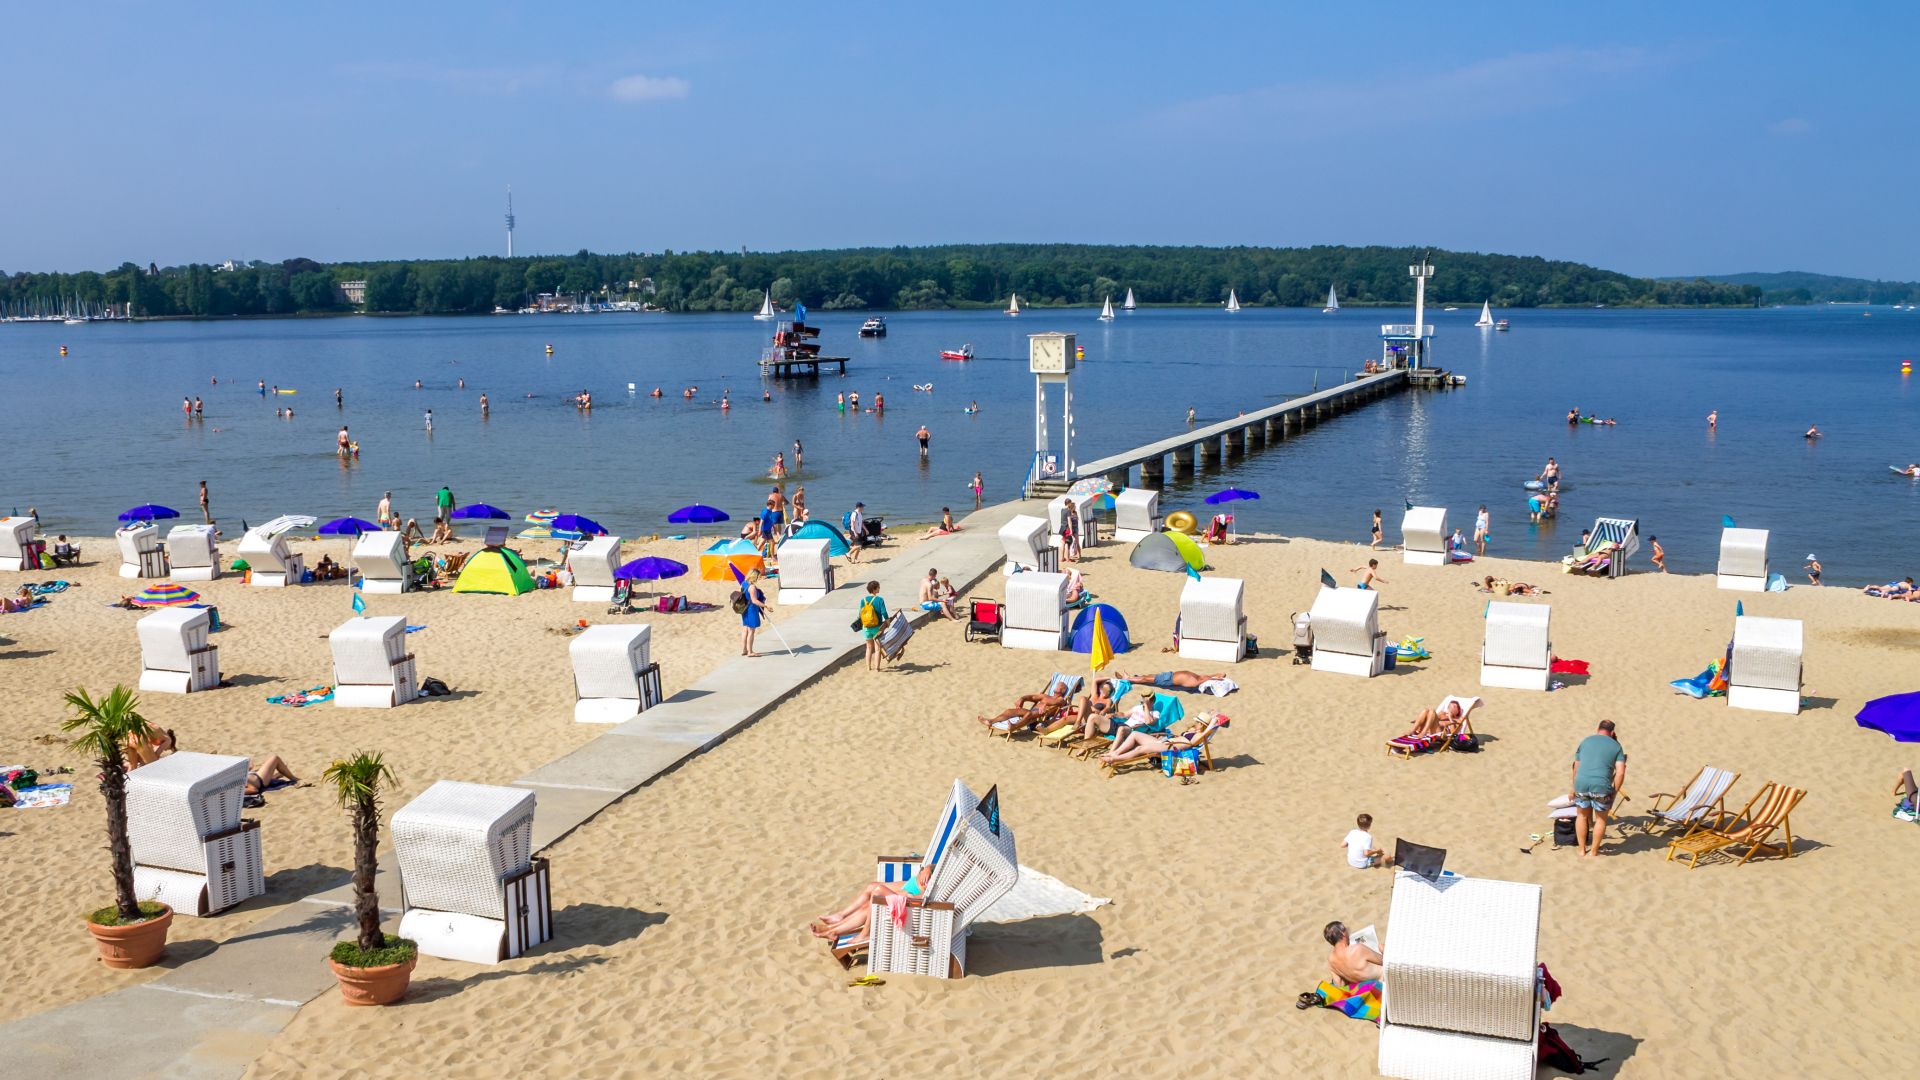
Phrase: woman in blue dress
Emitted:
{"points": [[753, 613]]}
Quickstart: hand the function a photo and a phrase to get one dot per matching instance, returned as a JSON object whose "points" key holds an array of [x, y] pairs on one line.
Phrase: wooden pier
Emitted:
{"points": [[807, 366]]}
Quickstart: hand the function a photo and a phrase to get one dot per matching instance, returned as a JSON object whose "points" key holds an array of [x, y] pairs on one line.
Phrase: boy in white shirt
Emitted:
{"points": [[1361, 854]]}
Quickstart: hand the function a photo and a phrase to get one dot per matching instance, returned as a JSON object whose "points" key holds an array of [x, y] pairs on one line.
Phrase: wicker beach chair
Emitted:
{"points": [[191, 850], [270, 564], [1768, 810], [1036, 612], [1701, 798], [1136, 514], [191, 553], [470, 886], [1213, 626], [372, 668], [977, 867], [1765, 671], [806, 570], [1024, 538], [1743, 560], [897, 870], [381, 558], [1460, 964], [1347, 638], [140, 553], [1624, 536], [1423, 534], [594, 564], [614, 677], [18, 547], [175, 657], [1518, 653]]}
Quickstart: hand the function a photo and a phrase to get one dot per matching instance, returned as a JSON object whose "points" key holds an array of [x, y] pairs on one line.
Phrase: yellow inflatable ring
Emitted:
{"points": [[1182, 521]]}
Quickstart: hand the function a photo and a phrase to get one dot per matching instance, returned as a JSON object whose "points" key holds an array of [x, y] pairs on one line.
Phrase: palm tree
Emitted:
{"points": [[357, 780], [104, 726]]}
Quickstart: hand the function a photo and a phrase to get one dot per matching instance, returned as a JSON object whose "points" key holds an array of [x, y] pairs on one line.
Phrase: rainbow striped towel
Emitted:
{"points": [[1361, 1002]]}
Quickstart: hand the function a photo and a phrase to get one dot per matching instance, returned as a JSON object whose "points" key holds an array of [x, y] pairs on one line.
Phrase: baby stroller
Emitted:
{"points": [[1302, 637]]}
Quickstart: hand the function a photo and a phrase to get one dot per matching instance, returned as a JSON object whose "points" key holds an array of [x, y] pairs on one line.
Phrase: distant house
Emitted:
{"points": [[353, 292], [228, 266]]}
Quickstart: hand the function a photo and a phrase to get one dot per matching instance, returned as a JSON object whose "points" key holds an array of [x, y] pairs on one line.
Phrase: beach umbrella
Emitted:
{"points": [[697, 514], [350, 527], [165, 594], [149, 512], [1173, 552], [578, 524], [1231, 495], [481, 512], [542, 517], [1898, 716], [1100, 488], [650, 568], [819, 530], [282, 524], [538, 532]]}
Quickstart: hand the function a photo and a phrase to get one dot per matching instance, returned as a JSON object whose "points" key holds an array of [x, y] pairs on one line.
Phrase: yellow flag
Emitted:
{"points": [[1102, 649]]}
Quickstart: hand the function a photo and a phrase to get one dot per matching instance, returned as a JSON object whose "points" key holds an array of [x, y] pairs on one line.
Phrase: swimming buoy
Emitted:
{"points": [[1534, 485], [1183, 521], [286, 391]]}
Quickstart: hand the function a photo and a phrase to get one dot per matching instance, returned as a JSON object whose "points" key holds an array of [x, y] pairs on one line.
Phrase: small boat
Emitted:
{"points": [[1106, 310], [1449, 307], [1333, 302], [1233, 301], [766, 311], [1500, 325], [1013, 304], [1128, 305], [1486, 314], [964, 352], [874, 327]]}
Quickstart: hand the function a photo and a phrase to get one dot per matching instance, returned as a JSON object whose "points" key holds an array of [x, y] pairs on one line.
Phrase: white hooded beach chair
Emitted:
{"points": [[175, 657], [1024, 539], [1089, 532], [1423, 532], [614, 676], [806, 571], [974, 864], [1036, 612], [270, 564], [372, 668], [381, 559], [1136, 514], [17, 542], [1518, 653], [192, 554], [1764, 673], [140, 553], [1460, 964], [191, 850], [1212, 625], [1346, 632], [1743, 560], [470, 886], [594, 564]]}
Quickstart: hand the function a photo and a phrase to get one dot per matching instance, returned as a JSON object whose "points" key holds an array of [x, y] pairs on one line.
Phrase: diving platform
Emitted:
{"points": [[800, 366]]}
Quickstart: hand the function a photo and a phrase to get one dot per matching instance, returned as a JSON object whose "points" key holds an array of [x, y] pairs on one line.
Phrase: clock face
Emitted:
{"points": [[1050, 354]]}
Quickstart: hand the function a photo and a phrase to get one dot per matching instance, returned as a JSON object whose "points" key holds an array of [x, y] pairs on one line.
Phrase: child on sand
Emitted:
{"points": [[1361, 854], [1371, 577], [1659, 553]]}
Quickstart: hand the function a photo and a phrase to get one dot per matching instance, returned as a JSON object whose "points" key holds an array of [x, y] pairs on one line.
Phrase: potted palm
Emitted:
{"points": [[373, 969], [128, 932]]}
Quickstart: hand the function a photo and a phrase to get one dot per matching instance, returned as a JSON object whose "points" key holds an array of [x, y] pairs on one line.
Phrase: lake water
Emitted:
{"points": [[102, 430]]}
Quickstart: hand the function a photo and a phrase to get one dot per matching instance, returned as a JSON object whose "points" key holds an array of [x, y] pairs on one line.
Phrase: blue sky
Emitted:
{"points": [[1648, 138]]}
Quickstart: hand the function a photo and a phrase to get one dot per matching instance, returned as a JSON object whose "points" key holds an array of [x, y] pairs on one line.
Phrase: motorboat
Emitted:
{"points": [[874, 327], [964, 352], [1500, 324]]}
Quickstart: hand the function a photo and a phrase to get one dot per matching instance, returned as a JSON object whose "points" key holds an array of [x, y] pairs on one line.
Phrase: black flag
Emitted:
{"points": [[989, 808]]}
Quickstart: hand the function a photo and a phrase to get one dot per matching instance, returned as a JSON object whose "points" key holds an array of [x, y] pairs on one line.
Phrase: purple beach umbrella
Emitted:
{"points": [[1898, 716]]}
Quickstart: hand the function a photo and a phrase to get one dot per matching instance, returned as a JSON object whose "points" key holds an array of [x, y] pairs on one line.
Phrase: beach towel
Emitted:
{"points": [[42, 796], [1706, 684], [416, 629], [1568, 667], [48, 587], [312, 695], [1359, 1002]]}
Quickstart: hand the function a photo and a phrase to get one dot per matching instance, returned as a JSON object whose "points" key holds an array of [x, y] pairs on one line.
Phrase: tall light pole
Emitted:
{"points": [[509, 221]]}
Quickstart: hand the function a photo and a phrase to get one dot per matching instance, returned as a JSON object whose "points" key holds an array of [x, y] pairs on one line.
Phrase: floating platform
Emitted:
{"points": [[1432, 377], [808, 366]]}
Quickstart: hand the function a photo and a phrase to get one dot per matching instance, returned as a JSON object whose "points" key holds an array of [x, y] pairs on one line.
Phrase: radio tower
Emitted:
{"points": [[509, 221]]}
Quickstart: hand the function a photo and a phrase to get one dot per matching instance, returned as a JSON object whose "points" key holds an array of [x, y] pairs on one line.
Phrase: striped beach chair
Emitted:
{"points": [[897, 870], [1703, 795], [1075, 683]]}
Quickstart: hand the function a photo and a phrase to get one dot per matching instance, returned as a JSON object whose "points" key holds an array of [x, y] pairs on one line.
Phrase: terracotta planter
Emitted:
{"points": [[374, 985], [135, 946]]}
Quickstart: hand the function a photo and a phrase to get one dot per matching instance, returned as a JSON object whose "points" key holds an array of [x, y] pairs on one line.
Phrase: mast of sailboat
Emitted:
{"points": [[1128, 305], [1106, 309]]}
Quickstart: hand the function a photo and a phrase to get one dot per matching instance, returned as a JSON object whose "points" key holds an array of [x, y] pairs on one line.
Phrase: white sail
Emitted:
{"points": [[1333, 302], [1128, 306], [1233, 300], [1106, 310], [1486, 314], [1013, 304], [766, 306]]}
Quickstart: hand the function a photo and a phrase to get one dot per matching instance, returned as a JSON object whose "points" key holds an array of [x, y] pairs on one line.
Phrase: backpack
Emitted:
{"points": [[869, 618], [739, 602], [1556, 1054]]}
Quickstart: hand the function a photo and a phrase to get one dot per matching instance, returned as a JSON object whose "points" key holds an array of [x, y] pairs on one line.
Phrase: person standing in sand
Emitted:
{"points": [[384, 512], [873, 623], [1482, 529], [1599, 771]]}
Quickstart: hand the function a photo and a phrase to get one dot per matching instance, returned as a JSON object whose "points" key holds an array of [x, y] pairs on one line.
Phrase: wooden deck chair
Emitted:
{"points": [[1412, 746], [1212, 727], [1906, 795], [1701, 798], [1008, 727], [1766, 811]]}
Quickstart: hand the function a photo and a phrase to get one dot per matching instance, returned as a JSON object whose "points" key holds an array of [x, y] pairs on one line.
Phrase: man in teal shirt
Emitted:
{"points": [[1599, 770]]}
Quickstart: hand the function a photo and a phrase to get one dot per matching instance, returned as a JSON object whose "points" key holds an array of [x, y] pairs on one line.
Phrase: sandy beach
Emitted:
{"points": [[681, 909]]}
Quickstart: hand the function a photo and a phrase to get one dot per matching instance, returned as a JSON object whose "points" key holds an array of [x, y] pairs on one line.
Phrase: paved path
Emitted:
{"points": [[211, 1017]]}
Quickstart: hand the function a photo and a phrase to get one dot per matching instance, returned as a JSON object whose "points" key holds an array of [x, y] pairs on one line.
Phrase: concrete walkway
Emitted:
{"points": [[211, 1017]]}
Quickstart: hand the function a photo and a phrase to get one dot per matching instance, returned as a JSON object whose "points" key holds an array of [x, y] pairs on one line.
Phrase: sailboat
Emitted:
{"points": [[766, 308], [1333, 302], [1233, 301], [1128, 305], [1486, 314], [1106, 310], [1013, 304]]}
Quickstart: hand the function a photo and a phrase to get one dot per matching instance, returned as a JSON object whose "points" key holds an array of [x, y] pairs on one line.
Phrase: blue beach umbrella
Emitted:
{"points": [[837, 545], [1898, 716], [697, 514], [650, 568], [149, 512], [348, 526], [1231, 495], [577, 524], [481, 512]]}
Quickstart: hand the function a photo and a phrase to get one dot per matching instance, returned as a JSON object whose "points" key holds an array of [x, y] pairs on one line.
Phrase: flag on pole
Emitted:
{"points": [[1100, 650], [1726, 521], [359, 604], [1327, 580]]}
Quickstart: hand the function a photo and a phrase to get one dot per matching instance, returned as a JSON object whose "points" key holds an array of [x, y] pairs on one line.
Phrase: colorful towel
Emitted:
{"points": [[41, 797], [1568, 667], [313, 695], [416, 629], [1704, 685], [47, 587], [1361, 1002]]}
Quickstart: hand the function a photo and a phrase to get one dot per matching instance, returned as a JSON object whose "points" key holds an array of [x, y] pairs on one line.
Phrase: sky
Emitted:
{"points": [[1653, 139]]}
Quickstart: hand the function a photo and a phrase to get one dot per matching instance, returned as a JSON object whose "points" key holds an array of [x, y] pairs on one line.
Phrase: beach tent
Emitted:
{"points": [[494, 570], [741, 553], [1173, 552], [1114, 623], [837, 545]]}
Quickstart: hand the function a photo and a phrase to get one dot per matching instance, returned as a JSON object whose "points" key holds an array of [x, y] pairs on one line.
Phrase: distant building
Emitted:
{"points": [[229, 266], [353, 292]]}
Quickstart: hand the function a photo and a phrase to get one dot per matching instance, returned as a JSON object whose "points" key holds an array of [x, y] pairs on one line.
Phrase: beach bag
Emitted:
{"points": [[1556, 1054], [1177, 763], [434, 687], [1563, 834], [739, 602], [869, 618]]}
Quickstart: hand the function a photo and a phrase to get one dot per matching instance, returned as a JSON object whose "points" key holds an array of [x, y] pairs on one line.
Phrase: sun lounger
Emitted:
{"points": [[593, 564], [381, 558], [1409, 746], [270, 564], [1518, 653], [17, 543], [1743, 560], [1213, 627], [806, 571], [191, 553], [977, 867], [140, 552], [1024, 539], [1769, 809], [372, 668], [470, 887], [1423, 532], [614, 678], [1460, 965], [1765, 670], [191, 850], [1074, 685], [175, 657], [1702, 799], [1347, 638], [1203, 743], [1136, 514], [1036, 612]]}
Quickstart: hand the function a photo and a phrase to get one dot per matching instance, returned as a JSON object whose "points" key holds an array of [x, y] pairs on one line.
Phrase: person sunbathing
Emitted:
{"points": [[854, 917], [1076, 587], [1174, 680], [19, 601], [1595, 560], [1032, 708], [1892, 590], [1138, 744], [1350, 962], [147, 749], [272, 772], [1503, 587], [1094, 715], [1443, 720], [945, 527]]}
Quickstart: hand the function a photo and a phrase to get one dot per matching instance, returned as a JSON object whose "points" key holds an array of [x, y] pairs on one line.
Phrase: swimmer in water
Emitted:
{"points": [[1573, 415], [724, 403], [1813, 432], [1713, 419], [656, 392], [463, 384], [1911, 470], [483, 404], [416, 384]]}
